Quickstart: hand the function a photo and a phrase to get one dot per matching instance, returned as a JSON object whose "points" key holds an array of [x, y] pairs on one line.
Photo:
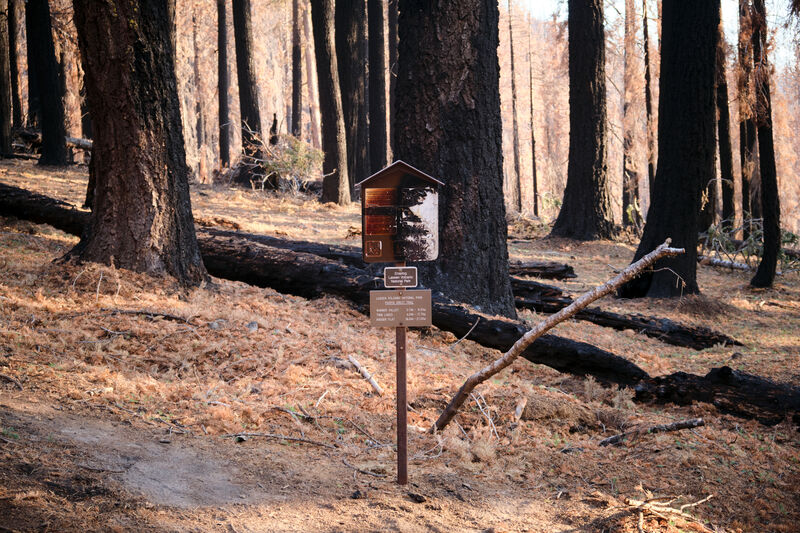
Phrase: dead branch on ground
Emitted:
{"points": [[660, 428]]}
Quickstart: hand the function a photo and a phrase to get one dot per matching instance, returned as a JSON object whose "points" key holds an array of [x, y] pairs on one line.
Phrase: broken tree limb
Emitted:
{"points": [[366, 375], [549, 323], [659, 428]]}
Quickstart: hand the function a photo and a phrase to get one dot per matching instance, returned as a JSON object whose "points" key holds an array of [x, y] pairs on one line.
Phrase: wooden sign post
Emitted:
{"points": [[399, 223]]}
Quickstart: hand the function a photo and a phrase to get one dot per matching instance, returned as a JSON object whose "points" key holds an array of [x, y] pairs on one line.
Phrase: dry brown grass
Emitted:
{"points": [[210, 372]]}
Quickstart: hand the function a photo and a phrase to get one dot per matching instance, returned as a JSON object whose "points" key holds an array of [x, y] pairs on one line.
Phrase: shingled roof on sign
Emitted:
{"points": [[399, 171]]}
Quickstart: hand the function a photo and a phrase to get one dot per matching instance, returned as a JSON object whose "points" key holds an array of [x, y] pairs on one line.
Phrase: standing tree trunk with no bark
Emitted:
{"points": [[586, 209], [142, 216], [450, 127], [377, 86], [770, 201], [534, 177], [246, 73], [44, 64], [297, 71], [686, 147], [335, 185]]}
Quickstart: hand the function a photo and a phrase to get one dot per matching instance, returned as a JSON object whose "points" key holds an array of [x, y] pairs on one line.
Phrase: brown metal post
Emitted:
{"points": [[402, 405]]}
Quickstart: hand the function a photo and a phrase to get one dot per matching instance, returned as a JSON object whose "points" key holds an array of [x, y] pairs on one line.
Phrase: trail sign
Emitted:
{"points": [[399, 215], [399, 277], [400, 308]]}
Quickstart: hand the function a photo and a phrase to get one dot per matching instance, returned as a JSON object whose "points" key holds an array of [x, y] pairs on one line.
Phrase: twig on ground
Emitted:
{"points": [[363, 371], [361, 470], [660, 428], [144, 312], [544, 326], [11, 380], [660, 508], [467, 335], [484, 408], [279, 437]]}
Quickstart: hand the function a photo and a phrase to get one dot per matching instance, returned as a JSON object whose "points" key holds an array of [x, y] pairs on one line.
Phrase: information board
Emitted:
{"points": [[399, 308], [400, 277]]}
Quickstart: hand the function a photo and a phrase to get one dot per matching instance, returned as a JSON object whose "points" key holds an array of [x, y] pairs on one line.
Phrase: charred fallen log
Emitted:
{"points": [[541, 269]]}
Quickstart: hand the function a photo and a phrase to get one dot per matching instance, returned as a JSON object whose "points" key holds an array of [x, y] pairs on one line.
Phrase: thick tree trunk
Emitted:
{"points": [[246, 74], [223, 84], [335, 185], [686, 147], [586, 209], [630, 176], [770, 201], [13, 25], [142, 217], [534, 177], [515, 181], [450, 127], [33, 82], [297, 72], [5, 82], [351, 53], [746, 100], [377, 86], [648, 103], [724, 133], [391, 24], [44, 64]]}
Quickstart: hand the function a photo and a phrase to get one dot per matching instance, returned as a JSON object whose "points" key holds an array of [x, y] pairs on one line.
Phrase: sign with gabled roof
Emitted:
{"points": [[399, 215]]}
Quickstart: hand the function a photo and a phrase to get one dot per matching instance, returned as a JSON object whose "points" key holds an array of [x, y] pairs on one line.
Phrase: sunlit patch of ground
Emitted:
{"points": [[102, 387]]}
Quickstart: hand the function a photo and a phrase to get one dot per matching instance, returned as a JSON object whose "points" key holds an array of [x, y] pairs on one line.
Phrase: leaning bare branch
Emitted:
{"points": [[661, 428], [363, 371], [546, 325]]}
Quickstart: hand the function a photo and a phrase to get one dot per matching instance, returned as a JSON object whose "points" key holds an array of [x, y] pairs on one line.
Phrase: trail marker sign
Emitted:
{"points": [[399, 223]]}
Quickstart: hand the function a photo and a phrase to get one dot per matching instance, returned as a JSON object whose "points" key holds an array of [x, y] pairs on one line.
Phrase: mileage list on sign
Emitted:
{"points": [[391, 309]]}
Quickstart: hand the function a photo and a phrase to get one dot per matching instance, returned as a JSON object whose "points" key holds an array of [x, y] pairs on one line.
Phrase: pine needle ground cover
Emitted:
{"points": [[120, 396]]}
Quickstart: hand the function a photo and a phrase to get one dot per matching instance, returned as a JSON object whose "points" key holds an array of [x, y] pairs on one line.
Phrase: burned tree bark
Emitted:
{"points": [[5, 82], [45, 68], [586, 209], [630, 176], [223, 84], [724, 132], [746, 102], [770, 201], [377, 86], [246, 74], [297, 72], [447, 87], [648, 103], [13, 63], [534, 177], [686, 147], [335, 185], [515, 181], [141, 218]]}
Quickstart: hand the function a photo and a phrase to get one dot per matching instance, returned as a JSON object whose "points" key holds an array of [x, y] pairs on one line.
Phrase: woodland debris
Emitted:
{"points": [[11, 380], [278, 437], [659, 428], [660, 507], [363, 371], [549, 323], [541, 269]]}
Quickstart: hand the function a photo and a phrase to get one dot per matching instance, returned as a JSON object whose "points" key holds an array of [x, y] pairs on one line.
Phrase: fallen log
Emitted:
{"points": [[309, 275], [541, 269], [729, 390], [663, 329], [529, 294]]}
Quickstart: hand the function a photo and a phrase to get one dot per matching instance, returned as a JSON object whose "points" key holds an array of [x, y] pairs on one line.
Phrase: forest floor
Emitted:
{"points": [[117, 391]]}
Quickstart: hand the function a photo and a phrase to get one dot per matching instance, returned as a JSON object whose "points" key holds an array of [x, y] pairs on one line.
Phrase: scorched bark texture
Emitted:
{"points": [[448, 125], [141, 217]]}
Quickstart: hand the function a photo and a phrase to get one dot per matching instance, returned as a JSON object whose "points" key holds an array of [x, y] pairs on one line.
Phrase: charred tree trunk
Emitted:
{"points": [[724, 133], [313, 98], [335, 185], [350, 37], [13, 63], [534, 177], [377, 86], [223, 84], [686, 147], [648, 104], [33, 82], [5, 82], [297, 72], [200, 123], [770, 201], [391, 24], [51, 106], [746, 97], [515, 181], [586, 209], [142, 216], [630, 176], [246, 74], [447, 87]]}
